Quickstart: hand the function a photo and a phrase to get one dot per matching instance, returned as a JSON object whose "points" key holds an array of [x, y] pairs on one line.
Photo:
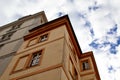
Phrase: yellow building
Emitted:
{"points": [[51, 52]]}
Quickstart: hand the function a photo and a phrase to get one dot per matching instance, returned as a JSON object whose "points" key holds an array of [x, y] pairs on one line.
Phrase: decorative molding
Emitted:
{"points": [[37, 39], [27, 63], [90, 54], [88, 73], [38, 46], [7, 55], [13, 70], [38, 71]]}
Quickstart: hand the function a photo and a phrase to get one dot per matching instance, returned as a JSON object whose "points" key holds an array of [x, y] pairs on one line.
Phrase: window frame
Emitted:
{"points": [[27, 62], [15, 27], [6, 36], [42, 36], [88, 62], [37, 39], [31, 56]]}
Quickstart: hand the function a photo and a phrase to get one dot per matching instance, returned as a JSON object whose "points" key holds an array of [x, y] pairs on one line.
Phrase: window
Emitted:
{"points": [[15, 27], [6, 36], [43, 37], [27, 61], [35, 58], [85, 65]]}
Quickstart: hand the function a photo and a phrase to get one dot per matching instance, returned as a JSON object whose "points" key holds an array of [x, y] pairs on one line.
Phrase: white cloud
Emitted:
{"points": [[102, 62], [82, 5], [102, 20]]}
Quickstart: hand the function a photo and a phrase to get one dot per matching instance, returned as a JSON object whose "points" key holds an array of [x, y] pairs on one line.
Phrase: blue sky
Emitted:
{"points": [[96, 24]]}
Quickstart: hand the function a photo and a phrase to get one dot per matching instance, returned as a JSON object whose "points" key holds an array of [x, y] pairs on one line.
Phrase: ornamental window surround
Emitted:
{"points": [[35, 58], [6, 36], [43, 37], [85, 65]]}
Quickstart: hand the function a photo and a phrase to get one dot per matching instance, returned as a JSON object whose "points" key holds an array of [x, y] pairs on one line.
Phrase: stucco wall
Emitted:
{"points": [[4, 63], [52, 54], [89, 74], [12, 45], [53, 74]]}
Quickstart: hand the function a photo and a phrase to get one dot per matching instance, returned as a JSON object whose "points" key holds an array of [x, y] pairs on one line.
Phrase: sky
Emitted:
{"points": [[95, 22]]}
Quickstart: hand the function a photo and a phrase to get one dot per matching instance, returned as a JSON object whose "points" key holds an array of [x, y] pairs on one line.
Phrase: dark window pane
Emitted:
{"points": [[43, 37], [35, 58], [85, 65]]}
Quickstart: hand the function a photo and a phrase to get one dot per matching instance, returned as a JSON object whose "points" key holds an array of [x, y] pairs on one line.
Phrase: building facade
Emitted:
{"points": [[11, 36], [51, 52]]}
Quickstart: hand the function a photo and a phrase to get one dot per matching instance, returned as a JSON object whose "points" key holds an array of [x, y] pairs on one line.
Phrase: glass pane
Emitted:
{"points": [[35, 59], [85, 65], [43, 38]]}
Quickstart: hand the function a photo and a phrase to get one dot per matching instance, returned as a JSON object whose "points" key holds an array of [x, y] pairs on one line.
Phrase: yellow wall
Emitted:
{"points": [[52, 55], [70, 54], [88, 74], [58, 50], [53, 74]]}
